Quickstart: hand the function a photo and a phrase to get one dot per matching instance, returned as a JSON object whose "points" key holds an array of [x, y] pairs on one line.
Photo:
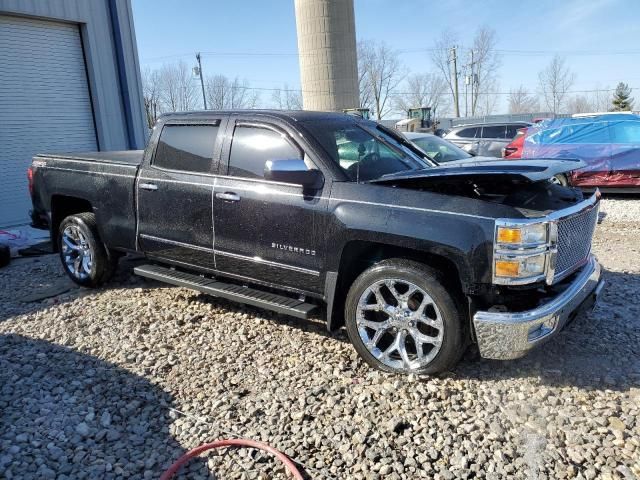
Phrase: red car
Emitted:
{"points": [[514, 150], [609, 144]]}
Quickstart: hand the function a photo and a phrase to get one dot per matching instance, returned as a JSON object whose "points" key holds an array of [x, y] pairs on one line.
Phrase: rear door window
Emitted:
{"points": [[252, 146], [471, 132], [187, 148], [493, 131]]}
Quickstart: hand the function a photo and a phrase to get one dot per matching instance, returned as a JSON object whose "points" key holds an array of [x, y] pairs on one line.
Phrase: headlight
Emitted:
{"points": [[520, 252], [520, 267], [526, 234]]}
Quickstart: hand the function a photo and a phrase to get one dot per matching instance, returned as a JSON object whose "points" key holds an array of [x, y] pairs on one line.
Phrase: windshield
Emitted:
{"points": [[439, 149], [364, 152]]}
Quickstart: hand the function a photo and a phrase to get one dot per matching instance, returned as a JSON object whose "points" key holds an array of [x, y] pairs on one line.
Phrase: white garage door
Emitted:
{"points": [[44, 104]]}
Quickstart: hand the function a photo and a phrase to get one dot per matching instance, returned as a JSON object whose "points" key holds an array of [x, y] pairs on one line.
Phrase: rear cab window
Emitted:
{"points": [[187, 148], [253, 145]]}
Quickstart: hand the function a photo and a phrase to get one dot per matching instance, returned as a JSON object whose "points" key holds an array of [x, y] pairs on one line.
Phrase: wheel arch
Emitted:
{"points": [[358, 255], [61, 207]]}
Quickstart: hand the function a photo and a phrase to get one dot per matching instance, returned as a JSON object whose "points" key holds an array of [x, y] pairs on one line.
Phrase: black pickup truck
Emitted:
{"points": [[295, 211]]}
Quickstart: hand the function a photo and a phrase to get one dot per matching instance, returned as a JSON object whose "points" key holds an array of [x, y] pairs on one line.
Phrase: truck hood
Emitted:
{"points": [[472, 169]]}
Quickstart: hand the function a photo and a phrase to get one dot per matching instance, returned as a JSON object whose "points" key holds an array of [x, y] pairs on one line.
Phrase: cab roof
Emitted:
{"points": [[295, 115]]}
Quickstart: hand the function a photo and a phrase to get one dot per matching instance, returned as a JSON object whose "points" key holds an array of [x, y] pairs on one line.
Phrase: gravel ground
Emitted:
{"points": [[119, 382]]}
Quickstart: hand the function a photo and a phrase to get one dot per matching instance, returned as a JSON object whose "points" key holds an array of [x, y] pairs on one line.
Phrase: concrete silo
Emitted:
{"points": [[327, 51]]}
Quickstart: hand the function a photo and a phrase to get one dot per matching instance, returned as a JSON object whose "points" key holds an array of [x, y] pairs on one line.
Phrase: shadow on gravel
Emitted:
{"points": [[598, 350], [65, 414], [315, 324], [30, 284]]}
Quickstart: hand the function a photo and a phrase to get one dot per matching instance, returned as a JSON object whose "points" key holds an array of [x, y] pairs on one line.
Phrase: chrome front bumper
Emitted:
{"points": [[505, 335]]}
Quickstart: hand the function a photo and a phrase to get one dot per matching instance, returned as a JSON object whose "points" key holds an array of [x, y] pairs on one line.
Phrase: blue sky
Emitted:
{"points": [[598, 37]]}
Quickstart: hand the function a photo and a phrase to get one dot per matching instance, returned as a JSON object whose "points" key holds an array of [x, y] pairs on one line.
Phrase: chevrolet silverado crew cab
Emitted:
{"points": [[274, 209]]}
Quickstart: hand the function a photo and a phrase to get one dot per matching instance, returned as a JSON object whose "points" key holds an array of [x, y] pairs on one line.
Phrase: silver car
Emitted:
{"points": [[441, 150], [487, 139]]}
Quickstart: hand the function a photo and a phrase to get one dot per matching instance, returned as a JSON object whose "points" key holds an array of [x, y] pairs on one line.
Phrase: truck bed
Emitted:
{"points": [[123, 157]]}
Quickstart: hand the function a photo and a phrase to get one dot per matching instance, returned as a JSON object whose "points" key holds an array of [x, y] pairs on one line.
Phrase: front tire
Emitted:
{"points": [[401, 319], [560, 180], [84, 257]]}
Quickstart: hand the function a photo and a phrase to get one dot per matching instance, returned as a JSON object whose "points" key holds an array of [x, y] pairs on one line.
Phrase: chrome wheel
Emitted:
{"points": [[399, 324], [76, 252], [555, 179]]}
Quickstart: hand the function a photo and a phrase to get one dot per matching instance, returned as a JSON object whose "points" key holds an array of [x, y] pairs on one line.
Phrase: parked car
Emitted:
{"points": [[439, 149], [513, 150], [484, 139], [417, 260], [609, 144]]}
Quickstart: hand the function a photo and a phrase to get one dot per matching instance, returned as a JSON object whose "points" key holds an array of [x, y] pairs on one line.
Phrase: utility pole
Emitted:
{"points": [[473, 81], [204, 97], [466, 90], [454, 59]]}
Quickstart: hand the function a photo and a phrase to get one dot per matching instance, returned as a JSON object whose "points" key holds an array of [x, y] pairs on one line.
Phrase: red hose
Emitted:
{"points": [[234, 442]]}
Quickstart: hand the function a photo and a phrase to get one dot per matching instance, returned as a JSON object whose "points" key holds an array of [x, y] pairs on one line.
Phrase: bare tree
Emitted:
{"points": [[483, 62], [223, 93], [423, 90], [441, 58], [579, 104], [178, 91], [365, 57], [601, 98], [522, 102], [151, 95], [488, 101], [381, 73], [287, 98], [555, 81], [484, 65]]}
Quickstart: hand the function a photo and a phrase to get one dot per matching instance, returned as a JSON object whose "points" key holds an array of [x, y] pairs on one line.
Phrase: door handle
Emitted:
{"points": [[228, 196], [148, 186]]}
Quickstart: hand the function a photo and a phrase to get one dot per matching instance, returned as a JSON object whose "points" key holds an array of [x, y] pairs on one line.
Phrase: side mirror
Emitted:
{"points": [[293, 171]]}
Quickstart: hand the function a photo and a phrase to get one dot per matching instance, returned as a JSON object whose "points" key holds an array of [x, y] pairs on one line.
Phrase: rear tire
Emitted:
{"points": [[84, 257], [401, 319]]}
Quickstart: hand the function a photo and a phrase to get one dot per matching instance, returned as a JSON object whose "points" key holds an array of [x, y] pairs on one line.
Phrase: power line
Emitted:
{"points": [[297, 90], [407, 50]]}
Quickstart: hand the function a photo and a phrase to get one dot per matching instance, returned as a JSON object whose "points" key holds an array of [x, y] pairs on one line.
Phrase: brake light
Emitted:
{"points": [[508, 151], [514, 149], [30, 179]]}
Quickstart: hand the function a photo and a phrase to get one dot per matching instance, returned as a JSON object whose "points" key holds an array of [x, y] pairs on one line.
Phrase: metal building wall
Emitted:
{"points": [[327, 51], [110, 50]]}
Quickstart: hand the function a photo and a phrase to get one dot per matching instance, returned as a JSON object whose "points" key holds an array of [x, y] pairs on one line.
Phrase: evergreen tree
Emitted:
{"points": [[622, 101]]}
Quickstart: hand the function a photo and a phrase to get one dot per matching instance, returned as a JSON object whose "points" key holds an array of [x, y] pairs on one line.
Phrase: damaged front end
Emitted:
{"points": [[523, 184], [543, 272]]}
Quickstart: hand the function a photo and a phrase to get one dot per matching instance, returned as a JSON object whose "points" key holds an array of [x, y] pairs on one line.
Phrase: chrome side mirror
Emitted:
{"points": [[293, 171]]}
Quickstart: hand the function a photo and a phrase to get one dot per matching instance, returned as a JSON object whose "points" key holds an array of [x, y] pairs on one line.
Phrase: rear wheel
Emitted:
{"points": [[84, 256], [400, 318]]}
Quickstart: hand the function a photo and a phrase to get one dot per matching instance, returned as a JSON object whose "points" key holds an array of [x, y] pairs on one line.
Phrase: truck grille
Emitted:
{"points": [[574, 240]]}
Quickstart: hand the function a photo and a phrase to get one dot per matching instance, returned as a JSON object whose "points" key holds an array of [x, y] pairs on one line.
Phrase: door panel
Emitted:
{"points": [[625, 153], [269, 233], [175, 218], [175, 194], [267, 230]]}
